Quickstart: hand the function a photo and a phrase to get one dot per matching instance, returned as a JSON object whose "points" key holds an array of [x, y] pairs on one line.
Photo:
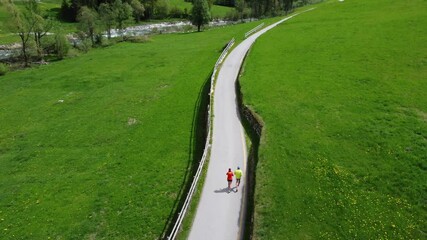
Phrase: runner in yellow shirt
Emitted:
{"points": [[238, 173]]}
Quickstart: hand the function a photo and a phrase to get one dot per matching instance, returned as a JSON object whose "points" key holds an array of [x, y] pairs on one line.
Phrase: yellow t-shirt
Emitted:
{"points": [[238, 173]]}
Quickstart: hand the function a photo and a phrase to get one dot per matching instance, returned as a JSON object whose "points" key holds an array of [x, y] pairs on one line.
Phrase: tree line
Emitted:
{"points": [[141, 9], [96, 18], [262, 8], [160, 9]]}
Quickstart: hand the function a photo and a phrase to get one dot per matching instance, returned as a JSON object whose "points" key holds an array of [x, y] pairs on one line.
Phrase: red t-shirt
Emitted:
{"points": [[230, 176]]}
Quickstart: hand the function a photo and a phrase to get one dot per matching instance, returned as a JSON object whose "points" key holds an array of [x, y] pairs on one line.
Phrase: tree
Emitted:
{"points": [[161, 10], [69, 10], [242, 9], [87, 19], [41, 27], [23, 23], [200, 14], [257, 9], [288, 5], [137, 10], [149, 6], [124, 13], [74, 9], [65, 13], [108, 17]]}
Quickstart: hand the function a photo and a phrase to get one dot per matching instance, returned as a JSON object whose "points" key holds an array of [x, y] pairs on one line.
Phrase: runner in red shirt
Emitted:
{"points": [[229, 179]]}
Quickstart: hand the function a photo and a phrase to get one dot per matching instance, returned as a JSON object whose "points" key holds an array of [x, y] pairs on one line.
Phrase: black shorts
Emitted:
{"points": [[229, 180]]}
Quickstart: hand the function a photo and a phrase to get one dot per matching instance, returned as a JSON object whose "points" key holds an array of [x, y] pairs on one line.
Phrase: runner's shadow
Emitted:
{"points": [[225, 190]]}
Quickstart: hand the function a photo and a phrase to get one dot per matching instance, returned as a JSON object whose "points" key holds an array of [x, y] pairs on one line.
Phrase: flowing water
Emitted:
{"points": [[141, 30]]}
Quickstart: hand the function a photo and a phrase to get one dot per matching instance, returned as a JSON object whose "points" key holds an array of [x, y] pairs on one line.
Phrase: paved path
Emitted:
{"points": [[220, 215]]}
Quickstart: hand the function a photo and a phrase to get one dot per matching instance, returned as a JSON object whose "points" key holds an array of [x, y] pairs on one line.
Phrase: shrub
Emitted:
{"points": [[161, 9], [83, 44], [48, 44], [61, 46], [137, 39], [3, 69], [176, 12], [99, 39], [232, 15], [188, 28]]}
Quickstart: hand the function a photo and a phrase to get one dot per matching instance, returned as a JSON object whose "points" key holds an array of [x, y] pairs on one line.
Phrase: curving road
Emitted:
{"points": [[220, 215]]}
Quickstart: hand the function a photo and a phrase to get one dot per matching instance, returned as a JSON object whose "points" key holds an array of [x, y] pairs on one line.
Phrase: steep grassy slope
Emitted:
{"points": [[342, 92]]}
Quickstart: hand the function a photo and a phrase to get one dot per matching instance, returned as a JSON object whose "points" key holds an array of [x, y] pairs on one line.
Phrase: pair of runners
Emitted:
{"points": [[238, 173]]}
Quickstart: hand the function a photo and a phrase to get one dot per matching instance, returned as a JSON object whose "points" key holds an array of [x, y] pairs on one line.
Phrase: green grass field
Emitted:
{"points": [[342, 92], [5, 35], [216, 10], [98, 146], [219, 12]]}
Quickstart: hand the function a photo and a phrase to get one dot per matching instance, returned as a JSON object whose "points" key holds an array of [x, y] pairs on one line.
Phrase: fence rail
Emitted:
{"points": [[184, 208], [254, 30]]}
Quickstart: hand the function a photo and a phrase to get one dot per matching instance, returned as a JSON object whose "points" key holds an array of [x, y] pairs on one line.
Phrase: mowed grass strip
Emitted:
{"points": [[99, 146], [342, 92]]}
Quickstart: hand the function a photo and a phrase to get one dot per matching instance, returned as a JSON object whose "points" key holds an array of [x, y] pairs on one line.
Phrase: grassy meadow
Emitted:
{"points": [[5, 35], [98, 146], [342, 92], [217, 11]]}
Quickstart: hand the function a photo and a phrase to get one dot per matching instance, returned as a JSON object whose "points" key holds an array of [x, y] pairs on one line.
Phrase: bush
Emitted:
{"points": [[3, 69], [109, 42], [48, 44], [84, 44], [176, 12], [246, 13], [161, 9], [188, 28], [61, 46], [99, 39], [232, 15], [137, 39]]}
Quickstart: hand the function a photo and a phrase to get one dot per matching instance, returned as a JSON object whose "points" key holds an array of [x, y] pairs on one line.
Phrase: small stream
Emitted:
{"points": [[8, 53], [165, 27]]}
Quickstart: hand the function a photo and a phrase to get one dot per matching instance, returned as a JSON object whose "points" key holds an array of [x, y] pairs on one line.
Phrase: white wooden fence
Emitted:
{"points": [[254, 30], [184, 208]]}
